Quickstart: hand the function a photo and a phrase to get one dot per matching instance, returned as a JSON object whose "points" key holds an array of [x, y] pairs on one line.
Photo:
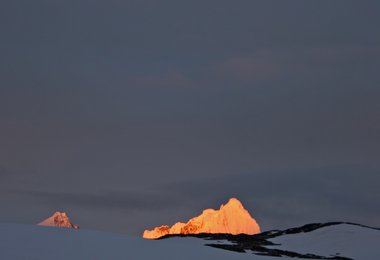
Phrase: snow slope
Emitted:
{"points": [[347, 240], [21, 242]]}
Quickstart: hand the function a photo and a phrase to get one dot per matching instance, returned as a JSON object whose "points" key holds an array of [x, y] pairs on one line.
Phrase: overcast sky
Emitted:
{"points": [[132, 114]]}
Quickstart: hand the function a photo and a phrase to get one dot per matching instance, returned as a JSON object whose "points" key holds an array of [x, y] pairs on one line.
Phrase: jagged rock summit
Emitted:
{"points": [[58, 219], [231, 218]]}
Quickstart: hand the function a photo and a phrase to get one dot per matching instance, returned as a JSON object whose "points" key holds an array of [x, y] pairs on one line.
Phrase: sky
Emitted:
{"points": [[132, 114]]}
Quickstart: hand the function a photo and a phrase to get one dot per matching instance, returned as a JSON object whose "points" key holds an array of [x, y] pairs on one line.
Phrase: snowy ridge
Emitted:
{"points": [[337, 241]]}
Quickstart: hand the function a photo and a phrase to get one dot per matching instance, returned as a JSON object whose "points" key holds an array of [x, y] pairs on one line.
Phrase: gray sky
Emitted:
{"points": [[132, 114]]}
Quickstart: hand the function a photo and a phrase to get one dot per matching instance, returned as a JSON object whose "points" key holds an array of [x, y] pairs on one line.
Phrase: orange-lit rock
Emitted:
{"points": [[59, 219], [231, 218]]}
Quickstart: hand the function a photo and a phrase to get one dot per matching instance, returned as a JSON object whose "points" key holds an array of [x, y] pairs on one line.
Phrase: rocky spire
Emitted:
{"points": [[58, 219], [231, 218]]}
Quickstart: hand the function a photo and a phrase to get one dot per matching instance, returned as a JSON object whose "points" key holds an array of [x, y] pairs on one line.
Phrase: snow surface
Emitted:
{"points": [[21, 242], [347, 240]]}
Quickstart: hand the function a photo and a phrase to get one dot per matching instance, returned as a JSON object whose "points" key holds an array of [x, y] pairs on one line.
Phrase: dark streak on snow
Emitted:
{"points": [[258, 243]]}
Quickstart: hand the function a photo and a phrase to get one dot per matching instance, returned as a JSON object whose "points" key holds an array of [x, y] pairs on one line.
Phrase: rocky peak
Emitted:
{"points": [[231, 218], [58, 219]]}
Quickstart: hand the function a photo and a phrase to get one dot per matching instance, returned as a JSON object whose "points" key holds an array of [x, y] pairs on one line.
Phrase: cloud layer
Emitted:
{"points": [[116, 110]]}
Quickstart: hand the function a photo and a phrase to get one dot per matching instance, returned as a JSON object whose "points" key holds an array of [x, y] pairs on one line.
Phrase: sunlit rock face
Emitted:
{"points": [[59, 219], [231, 218]]}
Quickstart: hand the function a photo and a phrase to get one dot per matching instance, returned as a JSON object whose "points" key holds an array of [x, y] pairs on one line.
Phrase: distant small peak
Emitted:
{"points": [[58, 219]]}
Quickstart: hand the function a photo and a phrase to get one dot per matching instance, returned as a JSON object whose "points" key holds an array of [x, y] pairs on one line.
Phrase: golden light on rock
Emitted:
{"points": [[231, 218]]}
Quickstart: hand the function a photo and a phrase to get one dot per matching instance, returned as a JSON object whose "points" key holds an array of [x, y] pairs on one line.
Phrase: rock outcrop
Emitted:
{"points": [[231, 218], [58, 219]]}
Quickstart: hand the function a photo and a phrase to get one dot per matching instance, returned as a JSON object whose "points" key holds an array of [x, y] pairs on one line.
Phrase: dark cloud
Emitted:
{"points": [[114, 110]]}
